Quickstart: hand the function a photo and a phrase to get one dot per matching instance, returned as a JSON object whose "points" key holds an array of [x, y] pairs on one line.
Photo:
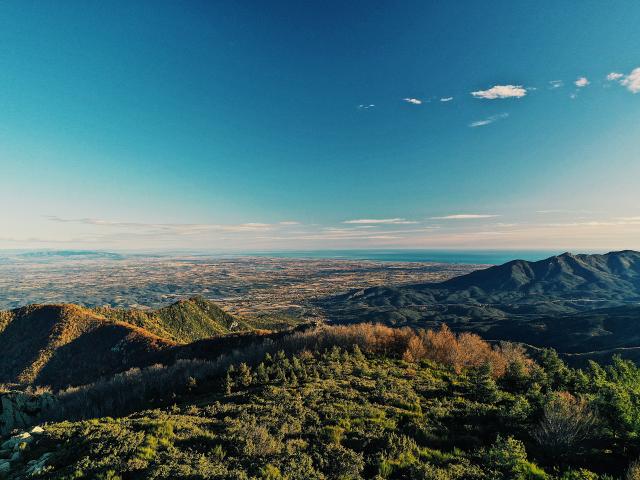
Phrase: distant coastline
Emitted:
{"points": [[476, 257], [467, 257]]}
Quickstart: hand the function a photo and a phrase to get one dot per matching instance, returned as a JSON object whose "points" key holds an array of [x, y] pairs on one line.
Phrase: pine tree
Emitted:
{"points": [[280, 375], [357, 353], [261, 374], [229, 384], [244, 373], [482, 386]]}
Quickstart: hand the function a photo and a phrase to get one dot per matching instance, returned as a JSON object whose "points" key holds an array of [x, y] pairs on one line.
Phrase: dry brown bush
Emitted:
{"points": [[514, 353], [566, 421]]}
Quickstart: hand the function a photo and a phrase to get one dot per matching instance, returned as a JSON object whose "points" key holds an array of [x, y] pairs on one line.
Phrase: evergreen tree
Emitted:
{"points": [[244, 373], [261, 374], [482, 386], [229, 383]]}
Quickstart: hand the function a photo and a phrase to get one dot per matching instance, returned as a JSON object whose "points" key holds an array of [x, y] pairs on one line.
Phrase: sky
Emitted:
{"points": [[252, 125]]}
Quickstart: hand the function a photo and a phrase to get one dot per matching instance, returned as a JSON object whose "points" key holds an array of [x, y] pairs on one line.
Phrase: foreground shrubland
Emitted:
{"points": [[351, 402]]}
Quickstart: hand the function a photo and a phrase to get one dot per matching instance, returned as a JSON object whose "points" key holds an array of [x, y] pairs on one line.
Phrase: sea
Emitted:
{"points": [[485, 257]]}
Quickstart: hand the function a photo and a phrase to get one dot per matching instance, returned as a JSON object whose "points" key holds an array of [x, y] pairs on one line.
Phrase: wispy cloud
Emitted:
{"points": [[553, 84], [365, 107], [464, 216], [384, 221], [414, 101], [488, 120], [289, 222], [632, 81], [501, 91], [446, 99], [174, 228], [581, 82], [562, 210]]}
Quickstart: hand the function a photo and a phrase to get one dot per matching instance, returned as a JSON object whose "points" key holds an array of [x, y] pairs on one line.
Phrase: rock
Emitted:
{"points": [[21, 410], [37, 466], [16, 440], [36, 430]]}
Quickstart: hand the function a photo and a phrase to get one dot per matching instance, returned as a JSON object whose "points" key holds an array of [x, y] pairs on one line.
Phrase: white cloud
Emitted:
{"points": [[581, 82], [289, 222], [553, 84], [464, 216], [613, 76], [632, 81], [387, 221], [501, 91], [366, 107], [488, 120], [446, 99], [171, 228], [414, 101]]}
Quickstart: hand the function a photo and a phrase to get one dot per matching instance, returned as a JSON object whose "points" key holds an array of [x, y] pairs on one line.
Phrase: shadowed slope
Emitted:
{"points": [[65, 344]]}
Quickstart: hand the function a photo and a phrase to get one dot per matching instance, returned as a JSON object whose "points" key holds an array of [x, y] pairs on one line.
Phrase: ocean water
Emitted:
{"points": [[487, 257]]}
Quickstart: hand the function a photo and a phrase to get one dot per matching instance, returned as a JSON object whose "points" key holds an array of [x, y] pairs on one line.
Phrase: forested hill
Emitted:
{"points": [[66, 344], [337, 403]]}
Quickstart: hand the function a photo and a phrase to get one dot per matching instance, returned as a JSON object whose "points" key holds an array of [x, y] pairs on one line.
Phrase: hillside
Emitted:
{"points": [[576, 303], [66, 344], [184, 321], [60, 345], [359, 402]]}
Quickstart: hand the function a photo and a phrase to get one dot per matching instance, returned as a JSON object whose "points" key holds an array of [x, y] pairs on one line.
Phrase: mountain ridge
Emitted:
{"points": [[532, 302], [67, 344]]}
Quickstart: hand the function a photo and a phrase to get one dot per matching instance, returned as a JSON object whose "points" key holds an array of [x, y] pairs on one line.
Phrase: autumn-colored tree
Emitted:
{"points": [[441, 346], [415, 351]]}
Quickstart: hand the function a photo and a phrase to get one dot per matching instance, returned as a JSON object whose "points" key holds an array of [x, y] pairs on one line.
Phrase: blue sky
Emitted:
{"points": [[268, 125]]}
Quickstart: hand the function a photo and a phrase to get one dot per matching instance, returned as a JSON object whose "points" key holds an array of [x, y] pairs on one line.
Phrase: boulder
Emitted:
{"points": [[36, 430], [22, 410], [36, 466], [16, 440]]}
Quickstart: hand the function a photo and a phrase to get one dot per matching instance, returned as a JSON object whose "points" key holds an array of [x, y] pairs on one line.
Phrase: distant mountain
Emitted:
{"points": [[79, 254], [551, 302], [67, 344], [612, 276]]}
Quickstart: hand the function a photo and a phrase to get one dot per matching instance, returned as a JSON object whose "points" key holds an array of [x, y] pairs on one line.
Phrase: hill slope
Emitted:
{"points": [[67, 344], [357, 413], [61, 345], [184, 321]]}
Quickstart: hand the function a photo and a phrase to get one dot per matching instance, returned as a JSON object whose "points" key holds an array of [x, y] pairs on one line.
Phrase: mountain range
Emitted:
{"points": [[575, 303]]}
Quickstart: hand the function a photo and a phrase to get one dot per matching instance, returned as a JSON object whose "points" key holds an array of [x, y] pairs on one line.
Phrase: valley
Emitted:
{"points": [[246, 286]]}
